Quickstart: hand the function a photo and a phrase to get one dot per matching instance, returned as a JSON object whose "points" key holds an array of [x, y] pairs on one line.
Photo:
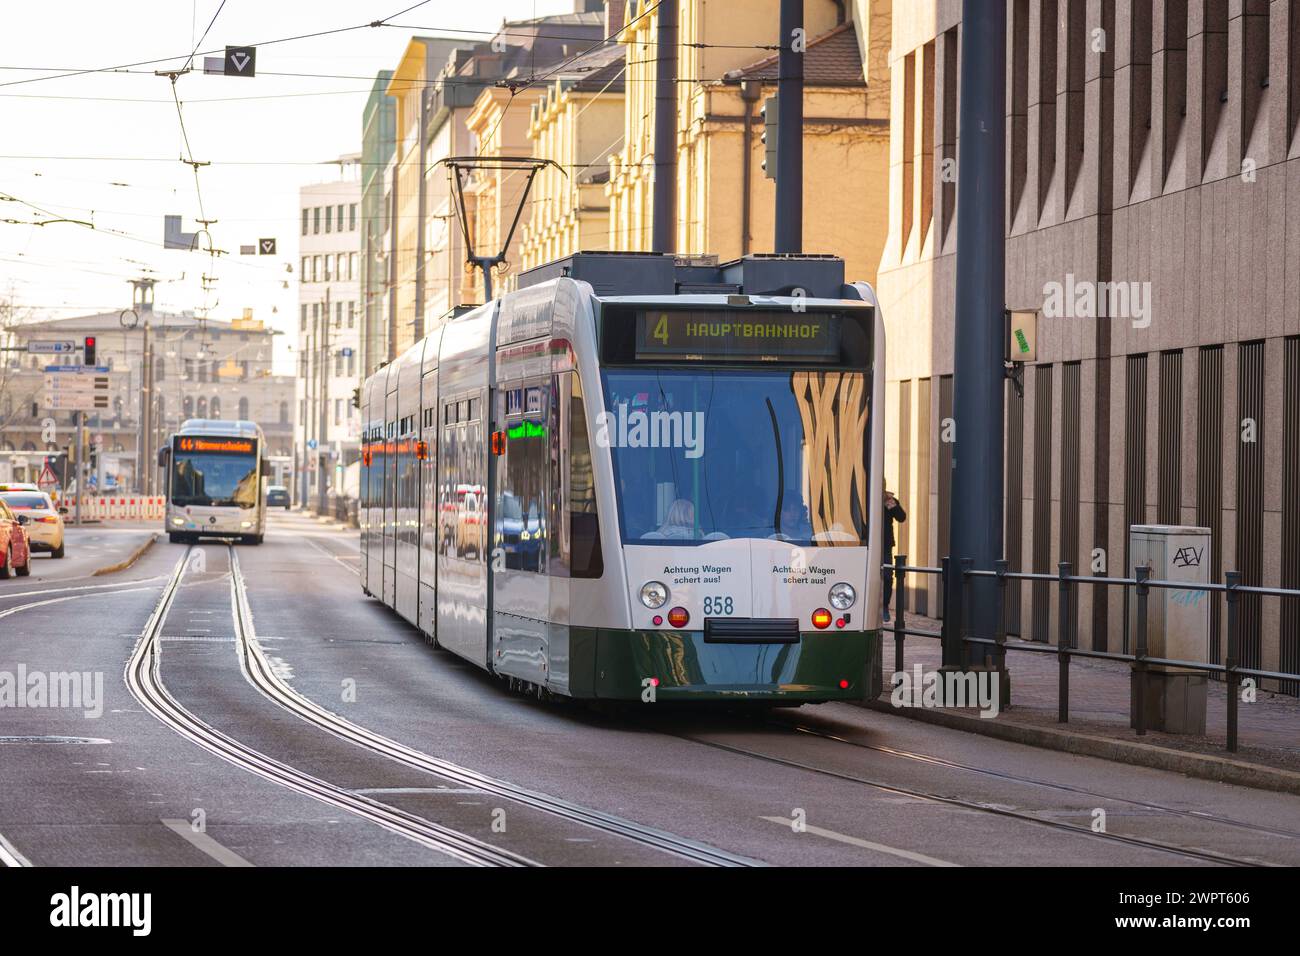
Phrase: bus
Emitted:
{"points": [[639, 478], [214, 473]]}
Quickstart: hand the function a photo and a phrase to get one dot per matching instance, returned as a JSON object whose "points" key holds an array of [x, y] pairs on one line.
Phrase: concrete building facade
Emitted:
{"points": [[327, 349], [202, 369], [1153, 218]]}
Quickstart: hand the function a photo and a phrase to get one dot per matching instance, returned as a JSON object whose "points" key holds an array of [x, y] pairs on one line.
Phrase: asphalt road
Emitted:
{"points": [[240, 774]]}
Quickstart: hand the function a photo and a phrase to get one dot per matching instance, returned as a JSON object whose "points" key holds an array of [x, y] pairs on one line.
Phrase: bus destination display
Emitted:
{"points": [[214, 446], [738, 336]]}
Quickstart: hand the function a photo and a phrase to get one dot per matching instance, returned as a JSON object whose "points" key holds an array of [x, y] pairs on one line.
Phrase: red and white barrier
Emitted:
{"points": [[115, 508]]}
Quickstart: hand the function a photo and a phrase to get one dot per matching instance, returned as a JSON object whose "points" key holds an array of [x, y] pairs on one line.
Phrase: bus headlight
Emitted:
{"points": [[178, 521], [842, 596], [245, 524], [653, 594]]}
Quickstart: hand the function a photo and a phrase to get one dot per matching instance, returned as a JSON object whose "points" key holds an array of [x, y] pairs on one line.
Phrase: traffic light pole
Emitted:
{"points": [[323, 421], [80, 419], [789, 130], [978, 372]]}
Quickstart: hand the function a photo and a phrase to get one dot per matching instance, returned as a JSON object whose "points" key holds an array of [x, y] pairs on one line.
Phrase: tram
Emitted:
{"points": [[640, 478], [213, 483]]}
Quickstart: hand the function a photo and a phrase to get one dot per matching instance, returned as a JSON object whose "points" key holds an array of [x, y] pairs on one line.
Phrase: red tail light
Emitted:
{"points": [[48, 519], [821, 618], [678, 617]]}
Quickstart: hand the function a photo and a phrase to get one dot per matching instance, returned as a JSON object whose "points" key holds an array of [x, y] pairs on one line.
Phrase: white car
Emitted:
{"points": [[43, 520]]}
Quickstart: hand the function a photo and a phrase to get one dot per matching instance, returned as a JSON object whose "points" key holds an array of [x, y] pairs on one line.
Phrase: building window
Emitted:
{"points": [[187, 407], [352, 314], [159, 369], [352, 363], [315, 269], [352, 218], [338, 411], [305, 213], [203, 407], [352, 265], [338, 364], [302, 411], [216, 406], [302, 322], [329, 267], [284, 413], [243, 409], [329, 217], [243, 369], [338, 315], [315, 220]]}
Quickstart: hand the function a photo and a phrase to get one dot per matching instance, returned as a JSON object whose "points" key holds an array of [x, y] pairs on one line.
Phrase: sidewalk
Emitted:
{"points": [[1268, 731]]}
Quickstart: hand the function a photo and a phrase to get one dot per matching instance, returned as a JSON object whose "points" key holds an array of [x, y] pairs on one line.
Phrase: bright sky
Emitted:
{"points": [[79, 147]]}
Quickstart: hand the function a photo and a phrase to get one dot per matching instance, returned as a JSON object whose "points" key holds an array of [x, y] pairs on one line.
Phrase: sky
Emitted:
{"points": [[105, 147]]}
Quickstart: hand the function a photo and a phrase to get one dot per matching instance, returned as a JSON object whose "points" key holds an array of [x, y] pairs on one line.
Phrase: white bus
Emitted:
{"points": [[214, 474]]}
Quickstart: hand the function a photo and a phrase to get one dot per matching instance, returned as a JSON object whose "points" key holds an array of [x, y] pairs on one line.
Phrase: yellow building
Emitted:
{"points": [[727, 63], [578, 123]]}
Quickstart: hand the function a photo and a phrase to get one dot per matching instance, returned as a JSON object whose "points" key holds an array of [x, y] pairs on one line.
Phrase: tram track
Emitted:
{"points": [[1197, 815], [143, 678], [1202, 856], [261, 675]]}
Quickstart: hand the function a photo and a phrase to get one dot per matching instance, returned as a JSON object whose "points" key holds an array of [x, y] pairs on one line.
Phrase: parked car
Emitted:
{"points": [[277, 496], [15, 554], [44, 522]]}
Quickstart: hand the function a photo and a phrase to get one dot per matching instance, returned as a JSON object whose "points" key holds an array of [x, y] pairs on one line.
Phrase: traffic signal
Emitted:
{"points": [[769, 136], [356, 397], [89, 348]]}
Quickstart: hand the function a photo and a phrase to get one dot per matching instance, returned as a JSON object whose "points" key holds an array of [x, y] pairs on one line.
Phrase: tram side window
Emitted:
{"points": [[520, 519], [584, 523]]}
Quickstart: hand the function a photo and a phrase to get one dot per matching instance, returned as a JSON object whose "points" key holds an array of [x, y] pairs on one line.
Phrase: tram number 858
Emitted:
{"points": [[718, 606]]}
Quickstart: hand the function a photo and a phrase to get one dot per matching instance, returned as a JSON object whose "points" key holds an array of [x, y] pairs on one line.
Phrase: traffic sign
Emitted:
{"points": [[77, 388], [311, 443], [47, 479], [241, 61], [346, 352], [56, 347], [247, 250], [266, 247]]}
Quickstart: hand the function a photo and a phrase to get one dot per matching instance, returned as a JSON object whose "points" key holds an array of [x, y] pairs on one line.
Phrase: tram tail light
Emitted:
{"points": [[498, 443], [679, 617], [422, 450], [821, 619]]}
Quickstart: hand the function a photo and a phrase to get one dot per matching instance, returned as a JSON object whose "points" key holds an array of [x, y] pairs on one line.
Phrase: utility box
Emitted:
{"points": [[1178, 624]]}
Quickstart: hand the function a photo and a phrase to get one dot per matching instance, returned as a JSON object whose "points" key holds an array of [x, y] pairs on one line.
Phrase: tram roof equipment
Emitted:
{"points": [[649, 273]]}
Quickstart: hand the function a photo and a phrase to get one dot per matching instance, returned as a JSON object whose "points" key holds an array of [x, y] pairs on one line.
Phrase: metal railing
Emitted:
{"points": [[956, 579]]}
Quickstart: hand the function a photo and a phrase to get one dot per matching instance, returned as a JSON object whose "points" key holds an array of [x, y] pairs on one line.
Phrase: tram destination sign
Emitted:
{"points": [[738, 335], [193, 445]]}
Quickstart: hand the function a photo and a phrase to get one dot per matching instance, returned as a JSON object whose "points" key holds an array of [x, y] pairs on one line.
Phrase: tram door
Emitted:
{"points": [[390, 497], [520, 528]]}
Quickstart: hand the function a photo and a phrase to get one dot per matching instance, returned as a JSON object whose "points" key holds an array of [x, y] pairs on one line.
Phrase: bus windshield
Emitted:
{"points": [[703, 455], [214, 479]]}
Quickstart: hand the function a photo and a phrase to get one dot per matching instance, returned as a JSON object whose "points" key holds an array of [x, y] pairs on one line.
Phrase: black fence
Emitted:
{"points": [[955, 583]]}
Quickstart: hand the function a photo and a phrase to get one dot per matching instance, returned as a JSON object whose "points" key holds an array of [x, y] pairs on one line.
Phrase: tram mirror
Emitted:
{"points": [[265, 468], [1022, 335], [162, 456]]}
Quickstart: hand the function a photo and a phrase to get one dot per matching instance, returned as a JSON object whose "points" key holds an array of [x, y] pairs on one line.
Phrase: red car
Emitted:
{"points": [[15, 554]]}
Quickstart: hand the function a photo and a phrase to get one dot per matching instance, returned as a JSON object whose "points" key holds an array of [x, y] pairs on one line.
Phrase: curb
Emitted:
{"points": [[135, 556], [1204, 766]]}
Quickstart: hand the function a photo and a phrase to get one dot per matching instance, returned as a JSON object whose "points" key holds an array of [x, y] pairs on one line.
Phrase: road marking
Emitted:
{"points": [[85, 587], [223, 855], [371, 791], [329, 554], [865, 844], [9, 854]]}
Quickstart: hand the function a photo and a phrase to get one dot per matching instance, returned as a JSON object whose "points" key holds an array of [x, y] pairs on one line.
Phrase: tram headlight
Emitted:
{"points": [[245, 524], [178, 521], [842, 596], [653, 594]]}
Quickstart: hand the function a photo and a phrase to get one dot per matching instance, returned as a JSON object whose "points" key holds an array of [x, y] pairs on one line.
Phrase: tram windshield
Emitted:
{"points": [[704, 455], [214, 473]]}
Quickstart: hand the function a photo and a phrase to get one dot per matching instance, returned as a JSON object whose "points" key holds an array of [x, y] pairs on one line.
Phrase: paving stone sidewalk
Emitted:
{"points": [[1268, 729]]}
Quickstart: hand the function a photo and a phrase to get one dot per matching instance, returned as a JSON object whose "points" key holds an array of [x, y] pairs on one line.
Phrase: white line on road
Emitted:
{"points": [[84, 587], [9, 854], [329, 554], [223, 855], [865, 844], [60, 600]]}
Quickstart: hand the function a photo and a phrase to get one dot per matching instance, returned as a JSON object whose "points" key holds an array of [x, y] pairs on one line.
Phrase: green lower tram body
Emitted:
{"points": [[608, 664]]}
